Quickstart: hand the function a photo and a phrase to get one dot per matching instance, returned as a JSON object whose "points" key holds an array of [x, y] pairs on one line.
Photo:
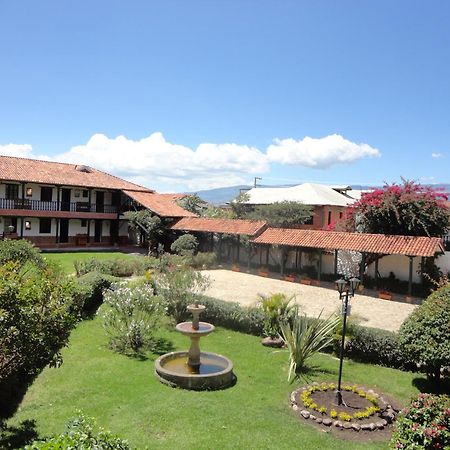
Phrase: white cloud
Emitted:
{"points": [[318, 152], [437, 155], [20, 150], [154, 159]]}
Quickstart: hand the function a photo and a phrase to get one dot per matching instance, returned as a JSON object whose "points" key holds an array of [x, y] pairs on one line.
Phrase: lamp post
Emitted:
{"points": [[346, 289]]}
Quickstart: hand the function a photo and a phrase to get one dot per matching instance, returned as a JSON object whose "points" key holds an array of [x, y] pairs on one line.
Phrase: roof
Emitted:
{"points": [[360, 242], [307, 193], [226, 226], [164, 205], [49, 172]]}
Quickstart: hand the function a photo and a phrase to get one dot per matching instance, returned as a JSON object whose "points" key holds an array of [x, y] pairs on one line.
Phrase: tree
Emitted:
{"points": [[192, 203], [425, 334], [238, 205], [147, 223], [409, 209], [284, 214], [185, 245]]}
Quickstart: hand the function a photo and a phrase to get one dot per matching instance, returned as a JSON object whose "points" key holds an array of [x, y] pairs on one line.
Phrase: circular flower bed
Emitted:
{"points": [[361, 410]]}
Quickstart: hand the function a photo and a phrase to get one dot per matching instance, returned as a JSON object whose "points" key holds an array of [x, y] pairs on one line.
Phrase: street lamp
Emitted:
{"points": [[346, 289]]}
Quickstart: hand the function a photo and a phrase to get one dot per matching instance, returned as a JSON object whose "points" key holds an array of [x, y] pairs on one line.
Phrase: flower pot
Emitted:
{"points": [[263, 273], [290, 278], [385, 295], [305, 281], [235, 268]]}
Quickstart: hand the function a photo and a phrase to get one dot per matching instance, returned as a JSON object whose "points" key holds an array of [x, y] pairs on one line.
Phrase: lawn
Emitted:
{"points": [[125, 397], [66, 260]]}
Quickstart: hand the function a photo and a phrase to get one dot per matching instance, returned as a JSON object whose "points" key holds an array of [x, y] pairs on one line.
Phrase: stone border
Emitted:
{"points": [[385, 416]]}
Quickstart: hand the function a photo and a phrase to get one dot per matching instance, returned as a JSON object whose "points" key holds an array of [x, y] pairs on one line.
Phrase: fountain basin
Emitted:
{"points": [[214, 372], [187, 329]]}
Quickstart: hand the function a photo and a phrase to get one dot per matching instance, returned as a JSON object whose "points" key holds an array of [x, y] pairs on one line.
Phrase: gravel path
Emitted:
{"points": [[244, 288]]}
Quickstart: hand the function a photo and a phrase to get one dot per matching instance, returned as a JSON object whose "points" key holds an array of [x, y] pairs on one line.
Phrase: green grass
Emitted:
{"points": [[125, 397], [66, 260]]}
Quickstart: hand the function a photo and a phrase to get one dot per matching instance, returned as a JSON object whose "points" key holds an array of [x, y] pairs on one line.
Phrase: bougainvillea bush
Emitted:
{"points": [[424, 425], [409, 209]]}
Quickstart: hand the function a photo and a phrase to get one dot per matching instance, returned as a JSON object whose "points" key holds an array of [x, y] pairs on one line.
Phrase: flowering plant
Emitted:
{"points": [[424, 425]]}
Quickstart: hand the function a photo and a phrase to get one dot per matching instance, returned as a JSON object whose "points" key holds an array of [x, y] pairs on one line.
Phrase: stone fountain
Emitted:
{"points": [[194, 369]]}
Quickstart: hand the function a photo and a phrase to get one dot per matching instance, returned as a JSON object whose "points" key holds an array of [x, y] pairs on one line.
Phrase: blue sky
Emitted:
{"points": [[186, 95]]}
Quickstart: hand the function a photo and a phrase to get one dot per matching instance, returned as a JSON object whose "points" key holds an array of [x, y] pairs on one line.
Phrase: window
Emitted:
{"points": [[340, 215], [329, 217], [85, 194], [46, 194], [83, 223], [10, 222], [29, 192], [27, 225], [12, 191], [45, 226], [310, 220]]}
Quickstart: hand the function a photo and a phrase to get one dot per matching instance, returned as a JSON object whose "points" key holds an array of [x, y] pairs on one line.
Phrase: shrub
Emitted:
{"points": [[304, 338], [425, 335], [132, 318], [118, 267], [185, 245], [20, 251], [37, 313], [424, 425], [203, 260], [81, 434], [277, 308], [88, 291], [374, 346], [232, 315], [180, 286]]}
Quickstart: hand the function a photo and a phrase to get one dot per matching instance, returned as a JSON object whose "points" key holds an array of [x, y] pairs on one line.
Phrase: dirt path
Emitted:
{"points": [[244, 288]]}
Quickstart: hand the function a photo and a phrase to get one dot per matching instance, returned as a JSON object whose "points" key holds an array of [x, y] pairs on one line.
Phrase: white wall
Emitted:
{"points": [[443, 262], [399, 265]]}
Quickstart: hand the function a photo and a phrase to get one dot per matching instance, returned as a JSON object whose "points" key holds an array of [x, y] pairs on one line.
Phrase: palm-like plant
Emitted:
{"points": [[304, 338], [277, 308]]}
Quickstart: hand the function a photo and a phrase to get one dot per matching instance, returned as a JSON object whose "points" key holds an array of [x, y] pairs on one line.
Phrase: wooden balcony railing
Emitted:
{"points": [[37, 205]]}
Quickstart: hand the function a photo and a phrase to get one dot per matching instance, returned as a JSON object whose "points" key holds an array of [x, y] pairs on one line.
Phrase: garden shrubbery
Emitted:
{"points": [[185, 245], [20, 251], [425, 424], [81, 434], [118, 267], [425, 334]]}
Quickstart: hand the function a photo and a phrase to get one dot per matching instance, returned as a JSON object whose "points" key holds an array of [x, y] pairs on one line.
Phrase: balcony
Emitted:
{"points": [[37, 205]]}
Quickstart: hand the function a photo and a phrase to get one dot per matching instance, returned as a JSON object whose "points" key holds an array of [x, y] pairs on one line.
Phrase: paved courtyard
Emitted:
{"points": [[244, 288]]}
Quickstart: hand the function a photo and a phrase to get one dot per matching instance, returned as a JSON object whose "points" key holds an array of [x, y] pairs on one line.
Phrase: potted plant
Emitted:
{"points": [[385, 295], [235, 268], [289, 277], [263, 272]]}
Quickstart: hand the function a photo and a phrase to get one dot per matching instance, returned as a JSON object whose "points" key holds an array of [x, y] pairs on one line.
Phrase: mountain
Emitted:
{"points": [[220, 196]]}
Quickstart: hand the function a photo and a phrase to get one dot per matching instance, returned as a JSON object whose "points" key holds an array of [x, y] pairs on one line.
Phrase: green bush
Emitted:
{"points": [[425, 334], [88, 291], [118, 267], [20, 251], [204, 260], [179, 286], [81, 435], [374, 346], [185, 245], [37, 313], [277, 308], [133, 316], [425, 424], [232, 316]]}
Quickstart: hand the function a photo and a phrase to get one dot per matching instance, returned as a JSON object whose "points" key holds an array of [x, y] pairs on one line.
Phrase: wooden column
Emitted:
{"points": [[300, 256], [362, 267], [249, 261], [238, 248], [335, 262], [411, 261], [220, 248], [212, 242], [267, 255], [57, 232], [88, 231], [282, 250], [320, 265], [376, 272]]}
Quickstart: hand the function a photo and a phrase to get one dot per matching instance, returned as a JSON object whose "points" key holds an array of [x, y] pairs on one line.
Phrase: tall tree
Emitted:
{"points": [[409, 209], [150, 225], [192, 203], [282, 214]]}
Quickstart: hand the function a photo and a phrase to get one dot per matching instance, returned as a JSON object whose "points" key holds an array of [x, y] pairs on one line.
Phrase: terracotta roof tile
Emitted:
{"points": [[361, 242], [227, 226], [49, 172], [164, 205]]}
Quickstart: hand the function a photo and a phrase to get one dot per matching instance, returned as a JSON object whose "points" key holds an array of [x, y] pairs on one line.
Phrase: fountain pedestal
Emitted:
{"points": [[195, 369]]}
